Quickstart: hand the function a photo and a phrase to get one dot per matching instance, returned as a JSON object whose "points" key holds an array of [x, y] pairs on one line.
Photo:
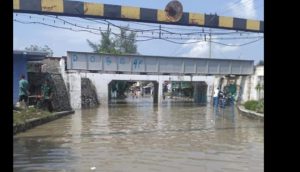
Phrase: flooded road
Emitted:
{"points": [[138, 136]]}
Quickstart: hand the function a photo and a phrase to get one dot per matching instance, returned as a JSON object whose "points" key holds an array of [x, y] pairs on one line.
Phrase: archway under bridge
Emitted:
{"points": [[102, 83], [120, 91]]}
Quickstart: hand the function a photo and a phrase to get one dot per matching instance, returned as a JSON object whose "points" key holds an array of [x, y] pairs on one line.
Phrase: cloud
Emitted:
{"points": [[201, 49], [243, 9], [227, 48]]}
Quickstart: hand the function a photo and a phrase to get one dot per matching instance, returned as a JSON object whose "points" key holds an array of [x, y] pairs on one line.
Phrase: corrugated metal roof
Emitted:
{"points": [[32, 55]]}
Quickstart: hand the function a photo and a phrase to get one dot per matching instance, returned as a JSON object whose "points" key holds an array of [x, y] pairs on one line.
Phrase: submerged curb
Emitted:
{"points": [[39, 121], [250, 113]]}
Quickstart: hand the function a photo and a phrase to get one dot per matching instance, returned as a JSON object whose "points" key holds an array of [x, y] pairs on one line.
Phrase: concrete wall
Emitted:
{"points": [[101, 81], [20, 67], [63, 73], [60, 94], [250, 92], [88, 94], [51, 65], [74, 82]]}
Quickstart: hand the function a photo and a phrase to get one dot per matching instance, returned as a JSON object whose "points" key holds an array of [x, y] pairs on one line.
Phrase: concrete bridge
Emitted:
{"points": [[102, 69]]}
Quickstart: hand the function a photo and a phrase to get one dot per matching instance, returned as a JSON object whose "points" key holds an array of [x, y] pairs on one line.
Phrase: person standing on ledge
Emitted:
{"points": [[47, 95], [23, 90]]}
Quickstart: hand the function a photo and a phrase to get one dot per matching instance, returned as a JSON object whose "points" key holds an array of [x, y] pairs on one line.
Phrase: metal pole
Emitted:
{"points": [[210, 43], [159, 31]]}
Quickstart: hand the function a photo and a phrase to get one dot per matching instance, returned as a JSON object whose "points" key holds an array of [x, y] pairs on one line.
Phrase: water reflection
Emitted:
{"points": [[137, 136]]}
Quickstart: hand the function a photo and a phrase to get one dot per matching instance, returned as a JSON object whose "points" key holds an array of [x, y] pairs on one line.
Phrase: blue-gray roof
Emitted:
{"points": [[32, 55]]}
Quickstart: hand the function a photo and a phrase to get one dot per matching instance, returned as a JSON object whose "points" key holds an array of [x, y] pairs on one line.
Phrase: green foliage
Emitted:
{"points": [[38, 48], [260, 106], [106, 45], [123, 44], [21, 115], [258, 87], [254, 105]]}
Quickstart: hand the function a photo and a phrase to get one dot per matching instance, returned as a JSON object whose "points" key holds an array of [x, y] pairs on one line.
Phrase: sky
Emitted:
{"points": [[61, 40]]}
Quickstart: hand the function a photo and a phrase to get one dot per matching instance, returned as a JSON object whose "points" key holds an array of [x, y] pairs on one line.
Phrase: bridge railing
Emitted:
{"points": [[157, 64]]}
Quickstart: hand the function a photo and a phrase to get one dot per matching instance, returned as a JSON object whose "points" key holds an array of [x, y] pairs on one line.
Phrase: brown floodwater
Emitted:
{"points": [[135, 136]]}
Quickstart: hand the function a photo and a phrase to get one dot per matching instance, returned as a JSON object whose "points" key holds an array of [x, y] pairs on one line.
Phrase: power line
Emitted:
{"points": [[24, 22], [237, 45], [59, 27], [149, 37], [165, 31], [151, 30], [105, 22], [122, 27]]}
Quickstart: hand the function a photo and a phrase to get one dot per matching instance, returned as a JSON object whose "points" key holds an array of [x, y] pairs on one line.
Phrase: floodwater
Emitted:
{"points": [[137, 136]]}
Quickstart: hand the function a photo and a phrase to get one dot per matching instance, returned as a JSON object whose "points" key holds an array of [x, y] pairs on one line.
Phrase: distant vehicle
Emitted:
{"points": [[225, 99]]}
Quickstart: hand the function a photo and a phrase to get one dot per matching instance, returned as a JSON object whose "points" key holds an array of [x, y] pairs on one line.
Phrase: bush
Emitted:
{"points": [[251, 105], [21, 115], [254, 105], [260, 106]]}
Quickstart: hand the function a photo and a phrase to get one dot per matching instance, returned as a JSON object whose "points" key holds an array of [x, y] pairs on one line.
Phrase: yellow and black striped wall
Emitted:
{"points": [[117, 12]]}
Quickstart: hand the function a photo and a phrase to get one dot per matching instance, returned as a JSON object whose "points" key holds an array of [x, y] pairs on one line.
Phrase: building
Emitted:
{"points": [[20, 66], [254, 85]]}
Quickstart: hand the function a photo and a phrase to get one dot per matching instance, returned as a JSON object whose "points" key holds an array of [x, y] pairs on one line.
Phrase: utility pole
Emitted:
{"points": [[210, 43], [159, 31], [108, 29]]}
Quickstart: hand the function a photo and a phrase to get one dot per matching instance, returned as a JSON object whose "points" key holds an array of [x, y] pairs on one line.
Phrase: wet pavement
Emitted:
{"points": [[136, 136]]}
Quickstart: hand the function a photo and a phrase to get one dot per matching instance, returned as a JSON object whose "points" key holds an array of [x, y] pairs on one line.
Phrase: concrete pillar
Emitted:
{"points": [[75, 90], [160, 90], [200, 92], [103, 93], [240, 87], [196, 92], [210, 87], [155, 92], [63, 71], [101, 83]]}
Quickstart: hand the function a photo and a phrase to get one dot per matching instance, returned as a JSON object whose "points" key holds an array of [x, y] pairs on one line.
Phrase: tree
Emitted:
{"points": [[42, 49], [107, 44], [124, 43]]}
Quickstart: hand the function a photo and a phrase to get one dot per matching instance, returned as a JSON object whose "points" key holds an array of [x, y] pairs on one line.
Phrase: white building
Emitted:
{"points": [[251, 90]]}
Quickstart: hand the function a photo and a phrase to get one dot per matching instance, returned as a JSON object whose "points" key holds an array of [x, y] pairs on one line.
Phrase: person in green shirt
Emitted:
{"points": [[23, 89], [232, 90], [47, 95]]}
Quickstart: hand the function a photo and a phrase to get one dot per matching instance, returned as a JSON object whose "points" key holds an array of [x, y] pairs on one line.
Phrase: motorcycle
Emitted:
{"points": [[225, 99]]}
